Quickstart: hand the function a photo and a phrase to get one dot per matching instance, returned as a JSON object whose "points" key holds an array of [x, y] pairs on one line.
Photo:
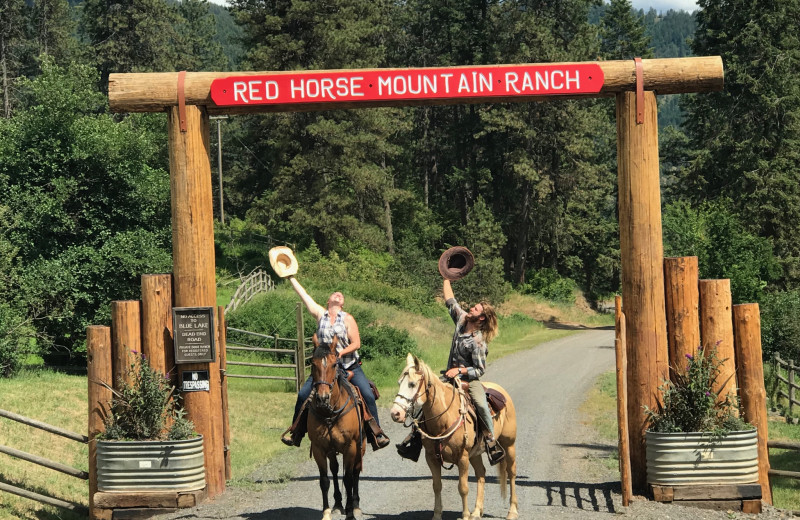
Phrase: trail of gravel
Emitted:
{"points": [[556, 475]]}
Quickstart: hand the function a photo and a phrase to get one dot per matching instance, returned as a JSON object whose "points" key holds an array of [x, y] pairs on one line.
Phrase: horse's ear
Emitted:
{"points": [[315, 340], [334, 342], [417, 362], [410, 359]]}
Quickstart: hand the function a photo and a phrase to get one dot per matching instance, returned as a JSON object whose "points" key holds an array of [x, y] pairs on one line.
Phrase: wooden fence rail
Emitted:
{"points": [[782, 445], [790, 381], [41, 461], [257, 282]]}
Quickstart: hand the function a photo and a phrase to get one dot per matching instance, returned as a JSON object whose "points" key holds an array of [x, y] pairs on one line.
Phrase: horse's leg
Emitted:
{"points": [[436, 473], [324, 482], [349, 461], [480, 476], [357, 467], [511, 472], [337, 494], [463, 484]]}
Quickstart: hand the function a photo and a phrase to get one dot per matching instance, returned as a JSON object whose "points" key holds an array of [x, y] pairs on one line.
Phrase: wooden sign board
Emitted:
{"points": [[501, 81], [193, 335]]}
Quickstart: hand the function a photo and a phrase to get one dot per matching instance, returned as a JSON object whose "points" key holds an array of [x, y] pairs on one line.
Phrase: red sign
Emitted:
{"points": [[408, 84]]}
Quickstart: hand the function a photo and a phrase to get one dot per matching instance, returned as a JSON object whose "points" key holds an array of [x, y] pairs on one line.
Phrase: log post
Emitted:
{"points": [[157, 322], [716, 331], [642, 257], [222, 339], [753, 394], [193, 268], [681, 280], [126, 338], [622, 404], [98, 368]]}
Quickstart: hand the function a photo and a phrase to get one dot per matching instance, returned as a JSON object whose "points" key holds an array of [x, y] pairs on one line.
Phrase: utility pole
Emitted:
{"points": [[219, 164]]}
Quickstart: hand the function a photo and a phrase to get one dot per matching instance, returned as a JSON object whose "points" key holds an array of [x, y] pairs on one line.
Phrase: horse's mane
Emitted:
{"points": [[427, 372]]}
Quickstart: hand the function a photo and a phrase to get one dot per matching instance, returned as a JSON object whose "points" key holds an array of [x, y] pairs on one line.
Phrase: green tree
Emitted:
{"points": [[330, 174], [12, 49], [89, 206], [745, 140], [198, 49], [130, 36], [622, 33], [723, 245]]}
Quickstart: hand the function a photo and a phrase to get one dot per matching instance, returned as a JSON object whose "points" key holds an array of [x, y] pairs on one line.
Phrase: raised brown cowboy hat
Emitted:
{"points": [[283, 261], [456, 262]]}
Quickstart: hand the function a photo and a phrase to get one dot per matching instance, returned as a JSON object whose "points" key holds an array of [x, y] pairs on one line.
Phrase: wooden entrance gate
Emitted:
{"points": [[189, 99]]}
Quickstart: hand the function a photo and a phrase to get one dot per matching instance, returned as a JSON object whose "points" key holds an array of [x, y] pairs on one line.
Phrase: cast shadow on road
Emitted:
{"points": [[597, 497], [553, 324]]}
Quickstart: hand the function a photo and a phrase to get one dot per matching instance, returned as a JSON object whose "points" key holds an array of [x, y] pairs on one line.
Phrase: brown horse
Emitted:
{"points": [[335, 426], [444, 421]]}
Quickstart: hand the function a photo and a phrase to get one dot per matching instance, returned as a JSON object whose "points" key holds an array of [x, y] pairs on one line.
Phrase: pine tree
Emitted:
{"points": [[130, 35], [12, 49], [198, 50], [622, 33], [745, 140]]}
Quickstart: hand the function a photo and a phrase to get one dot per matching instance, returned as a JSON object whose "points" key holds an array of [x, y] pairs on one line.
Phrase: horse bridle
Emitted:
{"points": [[409, 410]]}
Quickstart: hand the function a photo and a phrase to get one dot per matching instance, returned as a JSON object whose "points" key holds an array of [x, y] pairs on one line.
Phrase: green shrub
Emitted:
{"points": [[548, 284], [146, 408], [385, 341], [16, 340], [780, 325]]}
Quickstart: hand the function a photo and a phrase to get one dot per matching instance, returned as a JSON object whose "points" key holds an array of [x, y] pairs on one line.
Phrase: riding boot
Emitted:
{"points": [[494, 451], [411, 446], [376, 436], [297, 430]]}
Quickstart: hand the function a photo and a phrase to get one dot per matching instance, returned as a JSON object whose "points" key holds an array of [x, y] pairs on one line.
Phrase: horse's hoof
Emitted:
{"points": [[512, 516], [326, 515], [357, 511], [476, 516], [338, 509]]}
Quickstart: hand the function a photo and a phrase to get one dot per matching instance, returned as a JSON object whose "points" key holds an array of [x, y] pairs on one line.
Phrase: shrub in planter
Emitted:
{"points": [[695, 437], [148, 444]]}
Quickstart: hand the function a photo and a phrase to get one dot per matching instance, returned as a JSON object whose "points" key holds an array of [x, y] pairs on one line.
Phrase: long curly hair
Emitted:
{"points": [[489, 327]]}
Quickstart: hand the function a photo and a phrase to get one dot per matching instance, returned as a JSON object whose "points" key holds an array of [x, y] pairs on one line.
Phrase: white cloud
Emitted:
{"points": [[665, 5]]}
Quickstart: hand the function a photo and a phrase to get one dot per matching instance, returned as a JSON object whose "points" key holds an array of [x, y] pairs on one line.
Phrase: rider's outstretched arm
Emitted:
{"points": [[313, 307], [448, 290]]}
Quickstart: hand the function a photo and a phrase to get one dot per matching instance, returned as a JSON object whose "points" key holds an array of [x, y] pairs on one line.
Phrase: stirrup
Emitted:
{"points": [[381, 441], [494, 451], [293, 440]]}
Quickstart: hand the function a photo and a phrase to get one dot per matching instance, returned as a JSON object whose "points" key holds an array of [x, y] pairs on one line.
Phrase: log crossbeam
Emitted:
{"points": [[158, 91]]}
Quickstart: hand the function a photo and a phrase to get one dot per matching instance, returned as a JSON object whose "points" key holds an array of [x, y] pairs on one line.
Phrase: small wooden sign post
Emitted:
{"points": [[189, 98]]}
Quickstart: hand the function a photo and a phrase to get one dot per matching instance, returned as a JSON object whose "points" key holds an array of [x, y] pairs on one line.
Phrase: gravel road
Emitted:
{"points": [[557, 476]]}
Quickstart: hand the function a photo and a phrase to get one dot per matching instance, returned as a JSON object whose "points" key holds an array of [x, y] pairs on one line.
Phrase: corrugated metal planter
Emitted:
{"points": [[150, 465], [700, 458]]}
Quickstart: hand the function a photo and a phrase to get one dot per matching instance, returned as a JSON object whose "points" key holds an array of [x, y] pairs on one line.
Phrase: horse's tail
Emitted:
{"points": [[502, 476]]}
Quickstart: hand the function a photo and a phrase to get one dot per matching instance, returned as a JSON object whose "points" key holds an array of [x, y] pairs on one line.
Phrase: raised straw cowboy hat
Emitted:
{"points": [[283, 261], [456, 262]]}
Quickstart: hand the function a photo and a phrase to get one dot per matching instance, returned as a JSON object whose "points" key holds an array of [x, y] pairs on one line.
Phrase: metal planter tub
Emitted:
{"points": [[150, 465], [700, 458]]}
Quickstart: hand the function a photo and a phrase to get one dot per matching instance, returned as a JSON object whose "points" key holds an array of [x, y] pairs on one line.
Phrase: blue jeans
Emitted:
{"points": [[359, 380]]}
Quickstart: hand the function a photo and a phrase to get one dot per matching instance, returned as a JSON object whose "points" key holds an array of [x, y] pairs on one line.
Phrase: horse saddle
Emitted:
{"points": [[372, 384], [496, 400]]}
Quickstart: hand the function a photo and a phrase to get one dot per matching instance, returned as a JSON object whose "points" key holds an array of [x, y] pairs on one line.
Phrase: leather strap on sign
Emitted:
{"points": [[182, 100], [639, 90]]}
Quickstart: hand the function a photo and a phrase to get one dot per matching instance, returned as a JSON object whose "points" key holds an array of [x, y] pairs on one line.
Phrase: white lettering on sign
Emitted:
{"points": [[486, 81]]}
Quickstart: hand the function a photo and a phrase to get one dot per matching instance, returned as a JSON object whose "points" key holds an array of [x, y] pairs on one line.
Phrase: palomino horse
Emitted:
{"points": [[444, 420], [335, 426]]}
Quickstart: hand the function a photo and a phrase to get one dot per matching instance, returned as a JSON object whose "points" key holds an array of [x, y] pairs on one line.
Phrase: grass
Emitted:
{"points": [[60, 399], [600, 410]]}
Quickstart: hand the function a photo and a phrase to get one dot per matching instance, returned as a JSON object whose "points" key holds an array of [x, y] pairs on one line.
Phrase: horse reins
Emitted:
{"points": [[417, 424]]}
